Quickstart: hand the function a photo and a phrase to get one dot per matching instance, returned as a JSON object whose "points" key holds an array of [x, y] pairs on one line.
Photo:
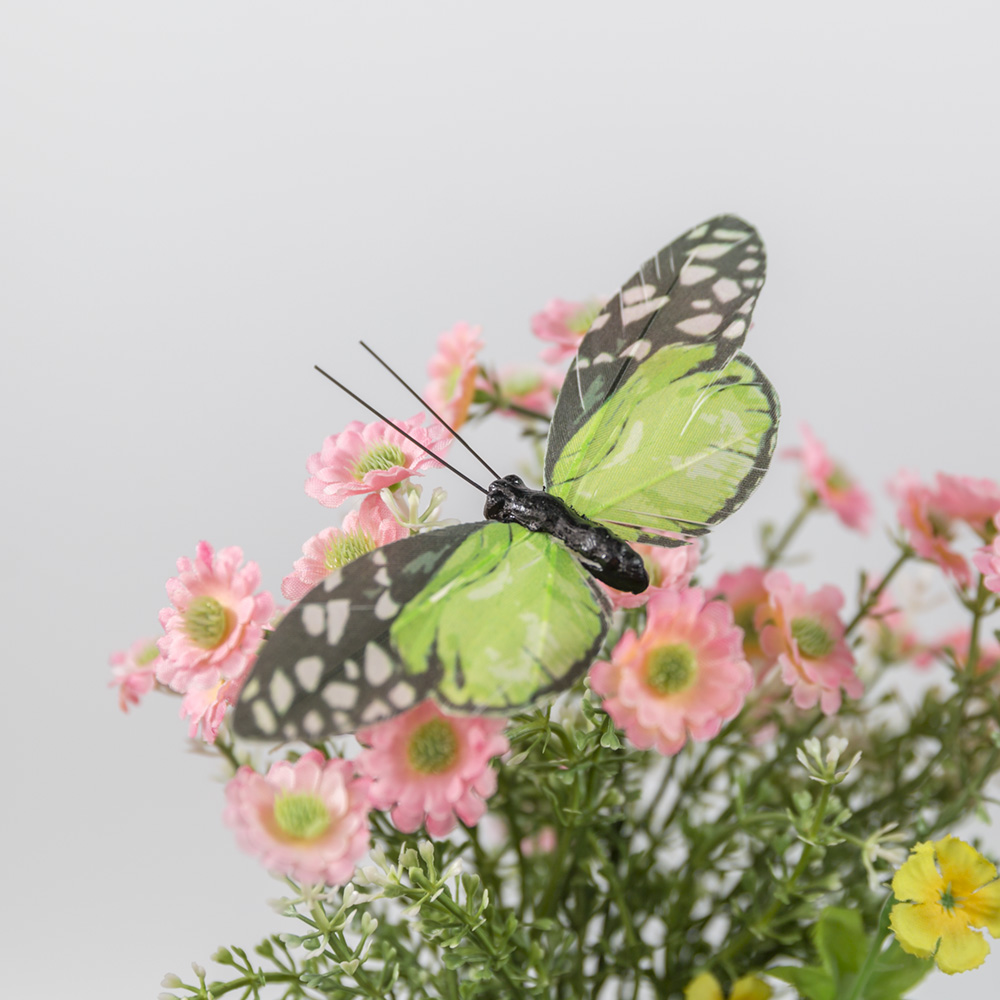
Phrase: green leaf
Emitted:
{"points": [[895, 974], [841, 941], [812, 983]]}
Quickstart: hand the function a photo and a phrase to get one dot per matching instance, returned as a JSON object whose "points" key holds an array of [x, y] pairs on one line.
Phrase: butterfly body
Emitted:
{"points": [[662, 428], [607, 558]]}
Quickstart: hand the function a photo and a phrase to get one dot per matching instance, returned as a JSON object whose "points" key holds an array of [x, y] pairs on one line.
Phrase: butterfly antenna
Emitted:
{"points": [[408, 437], [437, 416]]}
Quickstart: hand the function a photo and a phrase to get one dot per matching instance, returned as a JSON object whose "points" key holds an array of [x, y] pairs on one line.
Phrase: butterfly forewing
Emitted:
{"points": [[701, 289]]}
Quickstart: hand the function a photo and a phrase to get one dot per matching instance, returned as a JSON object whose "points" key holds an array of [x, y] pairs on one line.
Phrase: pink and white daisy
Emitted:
{"points": [[744, 592], [684, 676], [453, 371], [563, 324], [929, 527], [430, 768], [365, 458], [669, 568], [134, 671], [216, 622], [207, 707], [973, 501], [804, 633], [307, 820], [527, 386], [987, 561], [362, 531], [830, 482]]}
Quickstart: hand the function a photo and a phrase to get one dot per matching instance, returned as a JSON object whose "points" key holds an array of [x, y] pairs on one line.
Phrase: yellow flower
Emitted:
{"points": [[706, 987], [947, 888]]}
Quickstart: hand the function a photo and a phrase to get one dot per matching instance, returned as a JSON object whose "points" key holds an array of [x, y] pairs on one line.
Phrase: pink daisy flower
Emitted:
{"points": [[528, 386], [453, 372], [363, 531], [367, 458], [134, 671], [207, 707], [216, 622], [804, 633], [929, 527], [685, 675], [987, 561], [669, 568], [563, 324], [307, 820], [834, 487], [430, 768], [744, 592], [974, 501]]}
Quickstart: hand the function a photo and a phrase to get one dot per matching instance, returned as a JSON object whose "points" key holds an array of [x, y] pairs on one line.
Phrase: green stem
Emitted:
{"points": [[773, 553], [865, 973], [872, 598]]}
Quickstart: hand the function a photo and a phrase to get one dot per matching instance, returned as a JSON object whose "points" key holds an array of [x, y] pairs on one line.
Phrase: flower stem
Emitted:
{"points": [[773, 553], [872, 599]]}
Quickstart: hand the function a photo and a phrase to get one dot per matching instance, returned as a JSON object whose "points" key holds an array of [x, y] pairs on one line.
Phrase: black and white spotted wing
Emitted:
{"points": [[700, 289], [329, 667]]}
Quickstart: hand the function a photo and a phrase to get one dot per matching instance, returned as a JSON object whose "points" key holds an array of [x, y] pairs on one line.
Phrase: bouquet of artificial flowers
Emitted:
{"points": [[728, 803]]}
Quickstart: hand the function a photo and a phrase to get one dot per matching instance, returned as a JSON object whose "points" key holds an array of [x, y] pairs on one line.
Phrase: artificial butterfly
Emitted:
{"points": [[662, 429]]}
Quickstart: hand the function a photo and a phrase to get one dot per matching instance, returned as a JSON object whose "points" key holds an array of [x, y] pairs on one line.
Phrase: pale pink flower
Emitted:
{"points": [[362, 531], [685, 675], [929, 527], [973, 501], [430, 768], [207, 707], [453, 371], [958, 642], [744, 592], [563, 324], [365, 458], [216, 622], [527, 386], [669, 568], [134, 671], [987, 561], [542, 842], [804, 633], [831, 483], [307, 820]]}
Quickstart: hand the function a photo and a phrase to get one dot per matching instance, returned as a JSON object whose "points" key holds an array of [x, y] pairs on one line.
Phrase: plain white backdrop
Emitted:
{"points": [[200, 200]]}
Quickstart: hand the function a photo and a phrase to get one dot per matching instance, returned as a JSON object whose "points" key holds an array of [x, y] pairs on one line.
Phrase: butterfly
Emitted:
{"points": [[662, 428]]}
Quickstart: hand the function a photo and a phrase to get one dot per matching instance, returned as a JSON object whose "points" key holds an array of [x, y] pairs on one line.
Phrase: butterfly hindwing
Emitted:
{"points": [[662, 428], [482, 617]]}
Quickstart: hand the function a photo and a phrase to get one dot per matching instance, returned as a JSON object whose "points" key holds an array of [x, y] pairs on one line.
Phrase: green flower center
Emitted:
{"points": [[206, 622], [948, 899], [813, 639], [380, 458], [744, 618], [670, 669], [940, 525], [838, 480], [433, 747], [150, 653], [580, 322], [346, 548], [301, 815]]}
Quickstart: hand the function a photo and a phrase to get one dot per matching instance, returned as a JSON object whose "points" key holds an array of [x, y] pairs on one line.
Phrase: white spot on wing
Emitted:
{"points": [[735, 329], [600, 321], [337, 613], [382, 577], [378, 666], [693, 273], [313, 723], [290, 730], [264, 717], [351, 671], [750, 264], [378, 558], [282, 691], [251, 690], [313, 619], [603, 358], [729, 234], [697, 232], [308, 671], [385, 606], [701, 304], [725, 290], [632, 313], [638, 293], [339, 695], [699, 326], [378, 709], [402, 695], [637, 349], [747, 306], [711, 251]]}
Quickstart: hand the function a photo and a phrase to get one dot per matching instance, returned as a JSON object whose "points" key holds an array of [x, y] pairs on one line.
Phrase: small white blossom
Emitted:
{"points": [[823, 767], [874, 848], [404, 505]]}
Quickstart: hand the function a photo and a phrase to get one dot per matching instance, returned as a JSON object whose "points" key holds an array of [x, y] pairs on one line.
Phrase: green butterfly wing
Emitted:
{"points": [[662, 427], [482, 617]]}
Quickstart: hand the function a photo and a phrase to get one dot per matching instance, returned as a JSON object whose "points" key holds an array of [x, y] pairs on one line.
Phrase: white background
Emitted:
{"points": [[202, 199]]}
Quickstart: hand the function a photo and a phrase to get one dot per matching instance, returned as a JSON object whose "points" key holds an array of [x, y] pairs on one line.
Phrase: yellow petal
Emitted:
{"points": [[917, 879], [962, 866], [750, 988], [961, 949], [703, 987], [917, 927], [982, 908]]}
